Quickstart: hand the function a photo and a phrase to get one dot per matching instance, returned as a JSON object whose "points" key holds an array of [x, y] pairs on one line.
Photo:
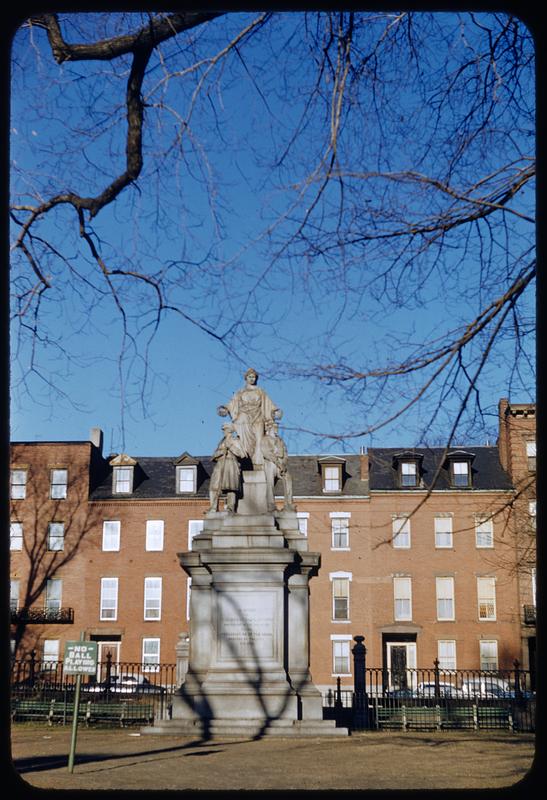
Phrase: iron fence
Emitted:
{"points": [[41, 689]]}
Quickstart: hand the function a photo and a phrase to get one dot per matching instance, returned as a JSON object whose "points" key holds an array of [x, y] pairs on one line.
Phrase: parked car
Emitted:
{"points": [[128, 684], [400, 694], [489, 687], [445, 690]]}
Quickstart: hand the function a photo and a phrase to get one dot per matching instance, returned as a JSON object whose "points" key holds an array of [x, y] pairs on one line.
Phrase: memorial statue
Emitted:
{"points": [[276, 460], [250, 410], [227, 472]]}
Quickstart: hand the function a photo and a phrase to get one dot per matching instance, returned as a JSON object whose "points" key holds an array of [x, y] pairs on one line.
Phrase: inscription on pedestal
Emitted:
{"points": [[247, 627]]}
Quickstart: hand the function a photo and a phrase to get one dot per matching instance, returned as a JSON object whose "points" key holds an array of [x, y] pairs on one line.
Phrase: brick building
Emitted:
{"points": [[428, 553]]}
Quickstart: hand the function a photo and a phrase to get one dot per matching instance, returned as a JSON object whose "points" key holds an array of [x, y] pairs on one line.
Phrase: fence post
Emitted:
{"points": [[360, 701], [108, 670], [518, 690], [436, 677], [32, 668], [338, 696]]}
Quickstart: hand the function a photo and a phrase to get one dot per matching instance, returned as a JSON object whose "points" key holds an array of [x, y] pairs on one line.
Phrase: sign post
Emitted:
{"points": [[80, 659]]}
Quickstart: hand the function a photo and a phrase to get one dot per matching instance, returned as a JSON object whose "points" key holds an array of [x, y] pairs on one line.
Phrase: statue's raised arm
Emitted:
{"points": [[251, 410]]}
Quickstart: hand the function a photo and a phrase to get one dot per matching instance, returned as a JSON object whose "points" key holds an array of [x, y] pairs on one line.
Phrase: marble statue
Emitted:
{"points": [[251, 410], [226, 473], [276, 460]]}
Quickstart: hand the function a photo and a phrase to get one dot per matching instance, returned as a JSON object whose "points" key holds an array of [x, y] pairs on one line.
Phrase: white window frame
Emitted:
{"points": [[400, 531], [154, 535], [446, 654], [484, 532], [195, 526], [112, 529], [531, 454], [444, 539], [336, 579], [532, 511], [122, 479], [332, 478], [408, 474], [18, 489], [152, 598], [188, 593], [189, 483], [486, 597], [341, 643], [108, 610], [444, 592], [58, 487], [15, 535], [402, 593], [533, 582], [488, 660], [339, 521], [461, 468], [303, 517], [50, 653], [151, 659], [54, 594], [14, 591], [56, 536]]}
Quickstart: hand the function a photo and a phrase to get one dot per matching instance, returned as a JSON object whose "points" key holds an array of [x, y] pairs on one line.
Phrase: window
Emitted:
{"points": [[532, 512], [150, 655], [340, 596], [446, 653], [58, 484], [303, 517], [188, 597], [409, 473], [186, 479], [340, 530], [400, 527], [341, 656], [443, 532], [484, 532], [56, 536], [152, 598], [16, 536], [109, 599], [111, 535], [54, 591], [488, 654], [154, 534], [18, 484], [195, 526], [486, 590], [402, 595], [332, 478], [460, 474], [14, 586], [445, 598], [51, 653], [531, 455], [533, 581], [122, 480]]}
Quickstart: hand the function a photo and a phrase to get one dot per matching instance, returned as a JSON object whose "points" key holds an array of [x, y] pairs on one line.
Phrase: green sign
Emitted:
{"points": [[80, 658]]}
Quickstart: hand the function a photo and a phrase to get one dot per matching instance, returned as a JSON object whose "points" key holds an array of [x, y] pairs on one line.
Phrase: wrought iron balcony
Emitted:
{"points": [[43, 616], [529, 615]]}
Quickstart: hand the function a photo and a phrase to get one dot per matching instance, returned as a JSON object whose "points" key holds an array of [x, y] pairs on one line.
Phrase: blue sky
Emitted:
{"points": [[309, 309]]}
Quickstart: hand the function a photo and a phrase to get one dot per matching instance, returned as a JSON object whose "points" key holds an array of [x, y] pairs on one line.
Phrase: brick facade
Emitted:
{"points": [[351, 527]]}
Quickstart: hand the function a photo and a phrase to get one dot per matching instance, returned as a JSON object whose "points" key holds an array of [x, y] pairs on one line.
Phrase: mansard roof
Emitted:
{"points": [[487, 472], [156, 478]]}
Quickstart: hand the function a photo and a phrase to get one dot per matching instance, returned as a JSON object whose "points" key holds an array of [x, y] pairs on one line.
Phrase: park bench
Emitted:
{"points": [[460, 717], [494, 717], [388, 716], [124, 712], [420, 717], [24, 709]]}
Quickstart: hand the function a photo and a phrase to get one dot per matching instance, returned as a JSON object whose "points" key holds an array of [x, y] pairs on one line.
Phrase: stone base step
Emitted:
{"points": [[226, 728]]}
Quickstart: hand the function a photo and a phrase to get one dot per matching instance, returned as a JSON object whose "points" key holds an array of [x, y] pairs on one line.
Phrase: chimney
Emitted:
{"points": [[96, 438], [503, 436], [363, 459]]}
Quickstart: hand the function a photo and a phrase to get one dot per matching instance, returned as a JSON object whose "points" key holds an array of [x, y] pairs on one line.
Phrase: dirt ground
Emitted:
{"points": [[125, 759]]}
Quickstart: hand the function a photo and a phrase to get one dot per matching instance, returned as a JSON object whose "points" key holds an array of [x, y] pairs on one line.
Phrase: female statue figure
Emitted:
{"points": [[251, 409]]}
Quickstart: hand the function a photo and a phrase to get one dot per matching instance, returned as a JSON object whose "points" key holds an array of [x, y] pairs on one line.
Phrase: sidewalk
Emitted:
{"points": [[123, 759]]}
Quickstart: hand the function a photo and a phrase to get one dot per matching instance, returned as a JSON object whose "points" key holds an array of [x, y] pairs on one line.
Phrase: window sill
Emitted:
{"points": [[340, 674], [341, 621], [340, 549]]}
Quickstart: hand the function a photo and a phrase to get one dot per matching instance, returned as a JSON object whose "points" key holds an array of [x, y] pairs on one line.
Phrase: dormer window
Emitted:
{"points": [[408, 466], [331, 474], [186, 474], [459, 464], [123, 469]]}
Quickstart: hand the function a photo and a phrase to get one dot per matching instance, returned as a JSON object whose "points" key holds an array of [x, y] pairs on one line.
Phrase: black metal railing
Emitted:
{"points": [[36, 615]]}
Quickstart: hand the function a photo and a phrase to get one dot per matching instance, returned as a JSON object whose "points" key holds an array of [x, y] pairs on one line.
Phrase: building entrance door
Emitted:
{"points": [[401, 664], [108, 657]]}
